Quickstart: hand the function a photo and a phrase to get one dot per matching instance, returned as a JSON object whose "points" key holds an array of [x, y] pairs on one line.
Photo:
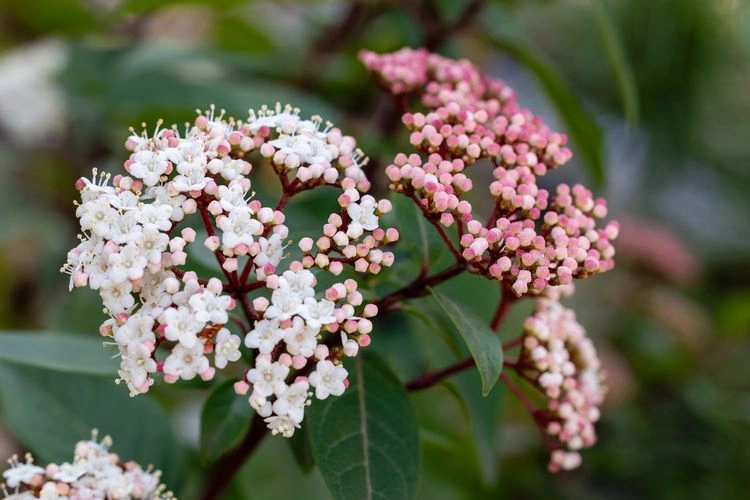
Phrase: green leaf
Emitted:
{"points": [[365, 442], [225, 419], [482, 342], [302, 450], [484, 418], [421, 311], [59, 352], [580, 124], [50, 411], [615, 51]]}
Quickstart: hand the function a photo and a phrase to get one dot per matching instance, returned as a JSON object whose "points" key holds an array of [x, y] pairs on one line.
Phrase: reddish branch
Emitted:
{"points": [[228, 465], [428, 379], [502, 310], [419, 287]]}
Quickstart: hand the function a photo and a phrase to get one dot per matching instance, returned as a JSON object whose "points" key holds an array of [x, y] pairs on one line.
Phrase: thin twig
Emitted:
{"points": [[428, 379], [418, 287], [227, 466], [502, 310]]}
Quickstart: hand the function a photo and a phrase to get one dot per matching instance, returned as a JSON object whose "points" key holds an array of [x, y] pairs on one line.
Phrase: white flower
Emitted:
{"points": [[232, 196], [301, 339], [268, 377], [162, 196], [185, 362], [135, 367], [227, 348], [98, 216], [264, 336], [127, 264], [194, 180], [317, 313], [181, 325], [94, 474], [260, 404], [233, 169], [328, 379], [362, 216], [116, 296], [285, 303], [69, 473], [21, 473], [190, 287], [309, 148], [238, 227], [292, 402], [188, 156], [149, 166], [138, 329], [209, 307], [301, 282], [155, 214], [271, 252], [154, 295], [152, 243], [282, 425], [48, 492]]}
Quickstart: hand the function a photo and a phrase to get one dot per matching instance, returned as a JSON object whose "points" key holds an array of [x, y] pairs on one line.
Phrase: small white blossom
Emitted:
{"points": [[265, 336], [317, 312], [301, 339], [21, 472], [362, 215], [268, 377], [285, 303], [182, 326], [93, 474], [227, 348], [185, 362], [238, 227], [209, 307], [292, 403], [328, 379], [149, 166]]}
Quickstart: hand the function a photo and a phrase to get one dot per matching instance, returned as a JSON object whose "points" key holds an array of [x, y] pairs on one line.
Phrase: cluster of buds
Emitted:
{"points": [[94, 473], [559, 358], [531, 239], [534, 242], [194, 187]]}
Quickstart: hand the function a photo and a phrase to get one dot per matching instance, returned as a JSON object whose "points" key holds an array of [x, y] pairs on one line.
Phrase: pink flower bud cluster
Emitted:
{"points": [[562, 362], [342, 241], [532, 239], [184, 191], [94, 473]]}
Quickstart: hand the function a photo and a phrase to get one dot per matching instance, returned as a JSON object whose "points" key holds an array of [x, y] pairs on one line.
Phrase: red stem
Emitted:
{"points": [[228, 465], [418, 287], [513, 343], [502, 310], [525, 400], [428, 379]]}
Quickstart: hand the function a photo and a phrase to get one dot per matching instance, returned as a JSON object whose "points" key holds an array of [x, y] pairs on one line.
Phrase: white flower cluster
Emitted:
{"points": [[565, 366], [289, 338], [128, 255], [95, 473], [136, 235]]}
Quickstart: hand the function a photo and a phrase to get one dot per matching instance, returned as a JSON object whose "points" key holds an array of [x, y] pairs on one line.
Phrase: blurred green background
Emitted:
{"points": [[655, 96]]}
